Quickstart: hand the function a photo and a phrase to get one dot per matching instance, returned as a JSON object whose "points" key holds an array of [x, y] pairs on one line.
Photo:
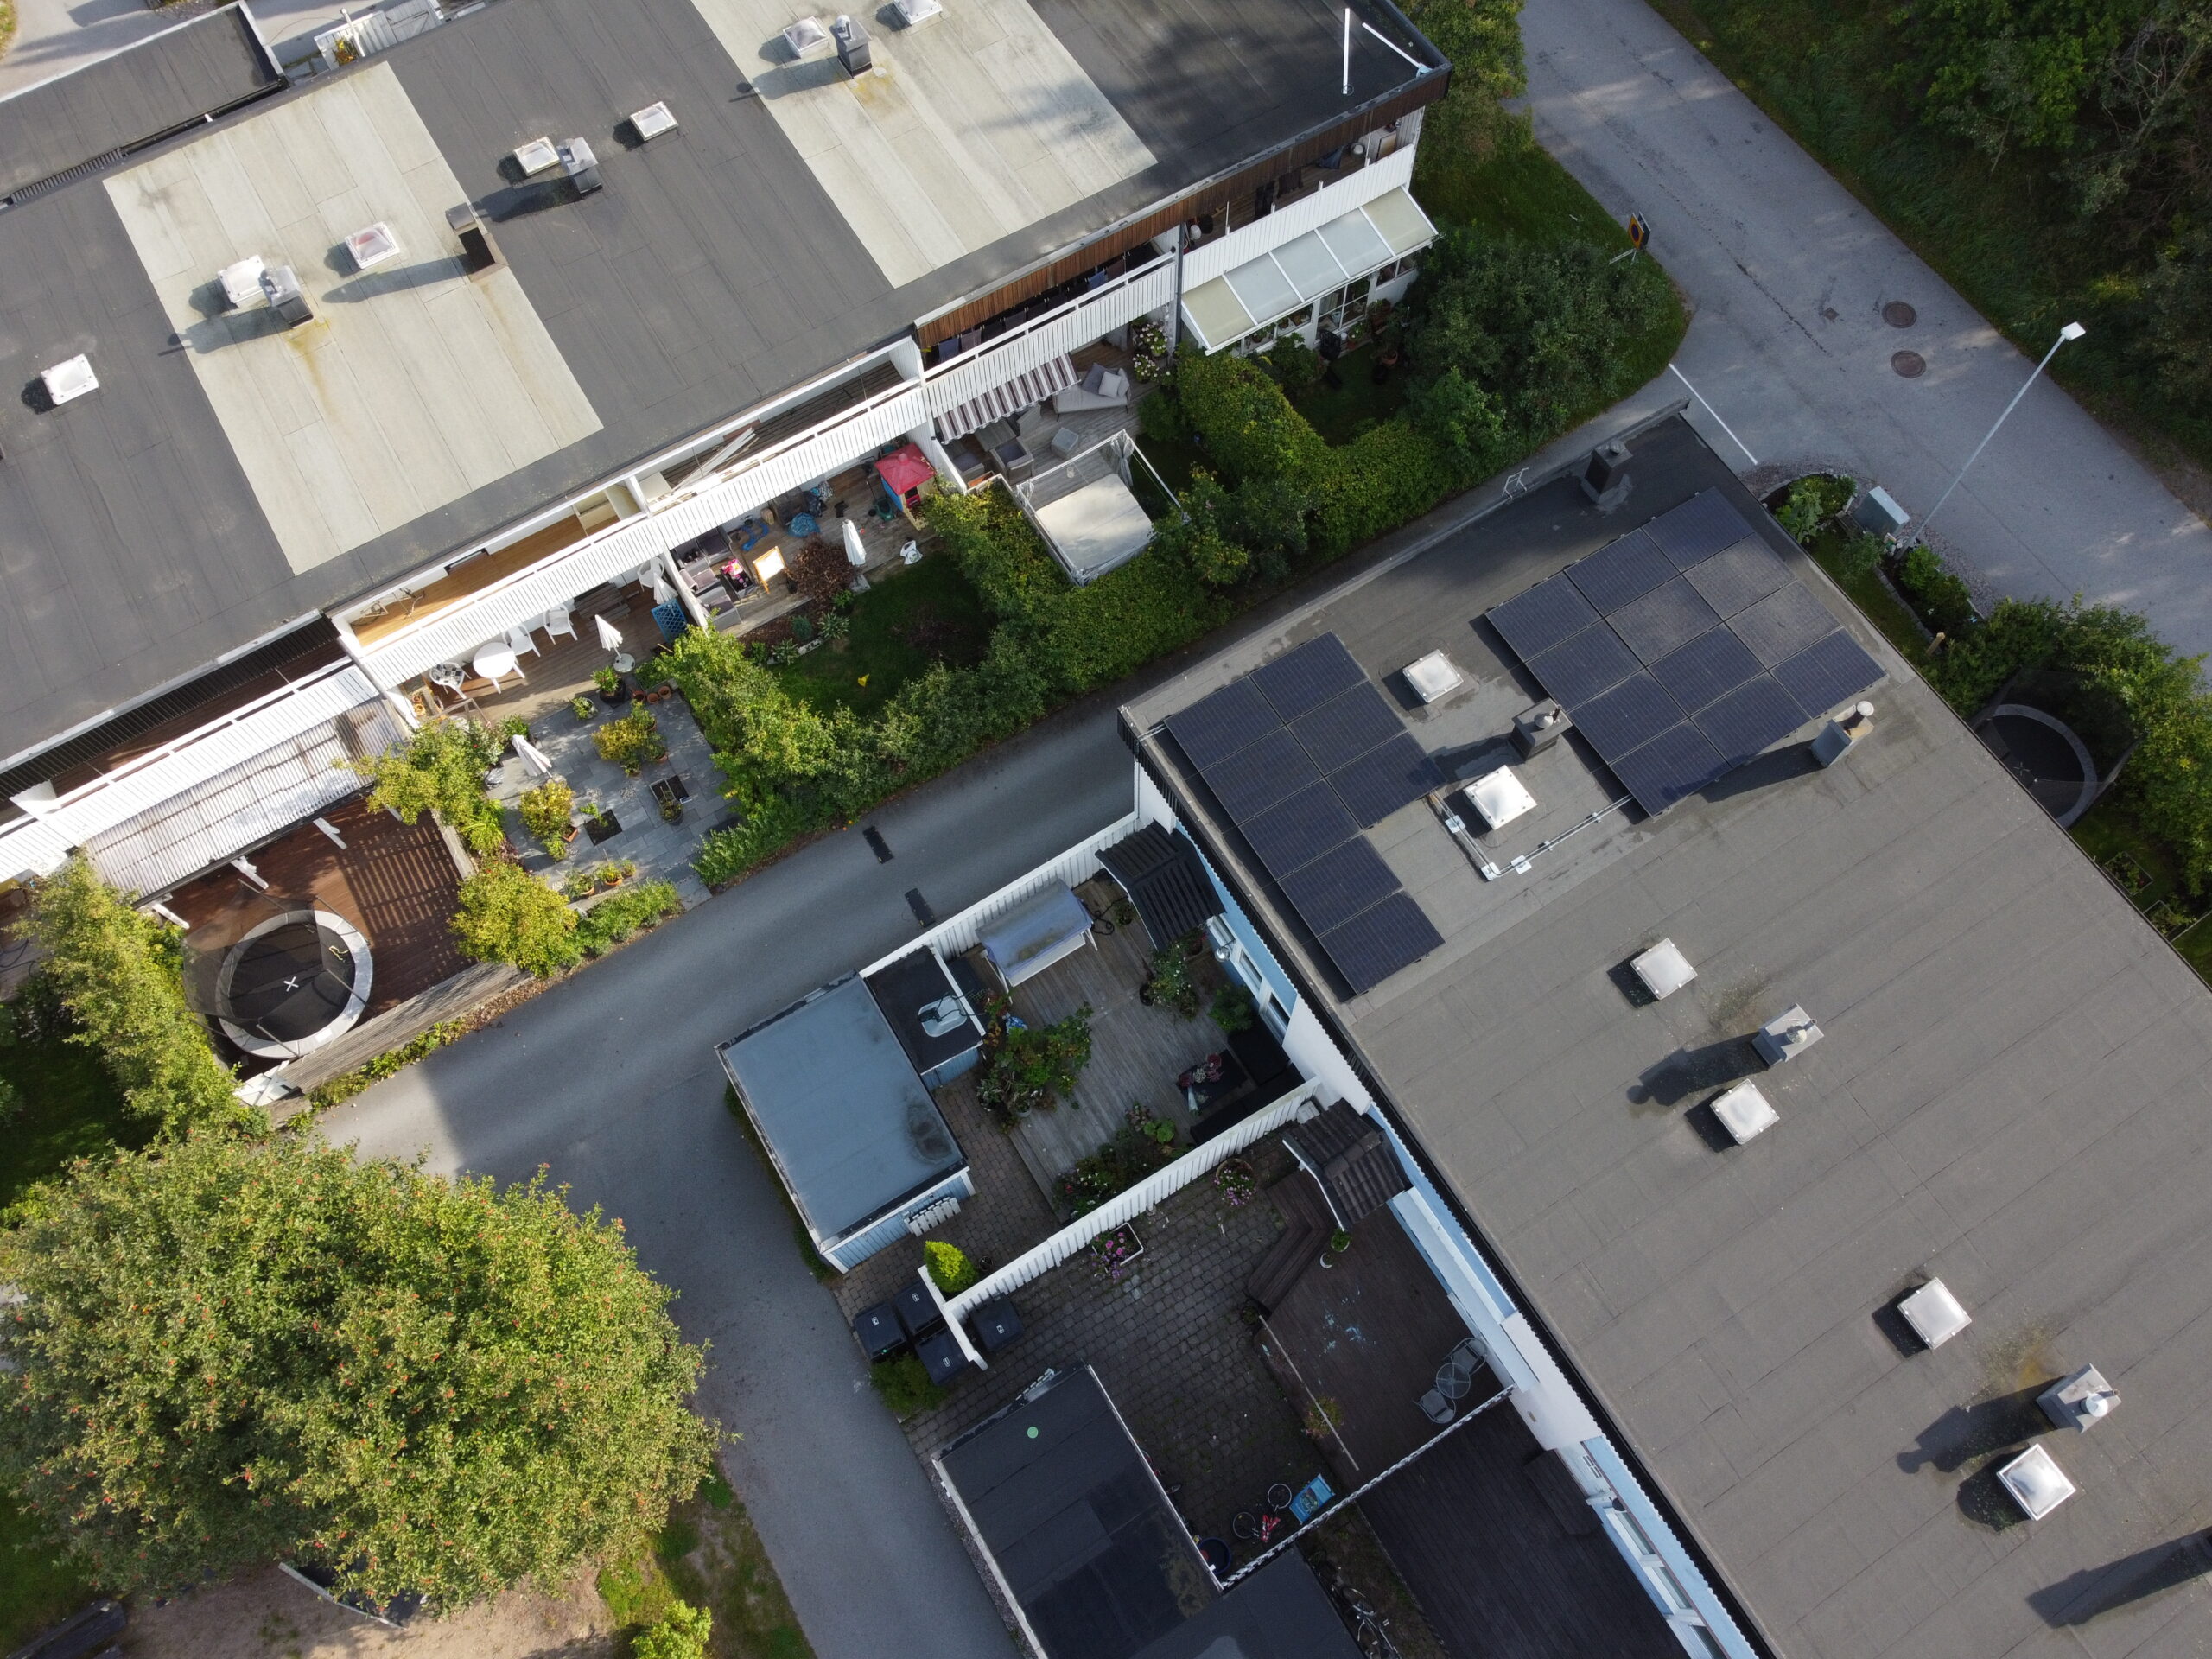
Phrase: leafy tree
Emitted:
{"points": [[2001, 74], [682, 1633], [545, 812], [2178, 335], [230, 1352], [949, 1266], [118, 973], [440, 770], [1466, 422], [1483, 40], [508, 915]]}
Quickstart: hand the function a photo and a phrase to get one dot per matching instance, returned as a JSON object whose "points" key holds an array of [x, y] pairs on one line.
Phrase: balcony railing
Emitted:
{"points": [[1293, 220], [1067, 329]]}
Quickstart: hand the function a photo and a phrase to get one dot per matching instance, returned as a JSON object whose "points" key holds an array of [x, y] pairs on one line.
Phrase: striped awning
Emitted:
{"points": [[1002, 401]]}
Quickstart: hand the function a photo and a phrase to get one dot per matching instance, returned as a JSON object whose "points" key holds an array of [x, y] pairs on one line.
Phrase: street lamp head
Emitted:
{"points": [[2072, 331]]}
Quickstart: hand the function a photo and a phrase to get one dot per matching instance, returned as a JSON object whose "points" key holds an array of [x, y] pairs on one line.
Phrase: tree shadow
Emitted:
{"points": [[1687, 1072], [1965, 1432], [2095, 1591]]}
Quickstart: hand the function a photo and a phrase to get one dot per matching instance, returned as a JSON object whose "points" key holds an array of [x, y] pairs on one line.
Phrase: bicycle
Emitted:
{"points": [[1369, 1630], [1261, 1529]]}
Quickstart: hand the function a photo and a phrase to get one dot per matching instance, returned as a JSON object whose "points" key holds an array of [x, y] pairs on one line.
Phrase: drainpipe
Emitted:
{"points": [[1175, 305]]}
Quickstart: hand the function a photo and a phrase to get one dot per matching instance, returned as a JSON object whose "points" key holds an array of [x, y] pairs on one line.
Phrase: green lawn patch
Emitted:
{"points": [[908, 619], [1341, 413], [38, 1587], [710, 1555]]}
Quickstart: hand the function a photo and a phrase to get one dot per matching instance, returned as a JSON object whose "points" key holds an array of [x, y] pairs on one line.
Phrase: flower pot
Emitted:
{"points": [[572, 832], [618, 695]]}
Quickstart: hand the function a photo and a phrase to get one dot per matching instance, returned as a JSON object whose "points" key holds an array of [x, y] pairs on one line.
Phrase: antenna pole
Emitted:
{"points": [[1347, 92]]}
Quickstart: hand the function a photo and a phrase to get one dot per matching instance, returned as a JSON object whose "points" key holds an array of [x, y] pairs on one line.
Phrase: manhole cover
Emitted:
{"points": [[1899, 314], [1911, 365]]}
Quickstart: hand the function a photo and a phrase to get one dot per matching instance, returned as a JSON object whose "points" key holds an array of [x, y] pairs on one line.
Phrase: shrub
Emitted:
{"points": [[631, 741], [904, 1385], [682, 1633], [545, 812], [118, 972], [611, 921], [1941, 599], [508, 915], [342, 1088], [1173, 985], [440, 770], [1026, 1068], [1233, 1009], [1810, 505], [1143, 1143], [233, 1352], [1295, 365], [949, 1266], [584, 709]]}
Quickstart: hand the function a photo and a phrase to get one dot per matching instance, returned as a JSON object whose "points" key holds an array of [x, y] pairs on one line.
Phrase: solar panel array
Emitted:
{"points": [[1303, 753], [1684, 649]]}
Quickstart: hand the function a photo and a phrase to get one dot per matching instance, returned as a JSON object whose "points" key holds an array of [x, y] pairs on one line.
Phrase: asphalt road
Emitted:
{"points": [[1788, 276], [610, 1080]]}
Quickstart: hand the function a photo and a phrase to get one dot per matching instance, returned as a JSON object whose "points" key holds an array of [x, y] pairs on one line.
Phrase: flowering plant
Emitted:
{"points": [[1236, 1183], [1117, 1250]]}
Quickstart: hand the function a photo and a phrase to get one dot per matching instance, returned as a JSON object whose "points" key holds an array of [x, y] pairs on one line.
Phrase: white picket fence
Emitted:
{"points": [[1162, 1184]]}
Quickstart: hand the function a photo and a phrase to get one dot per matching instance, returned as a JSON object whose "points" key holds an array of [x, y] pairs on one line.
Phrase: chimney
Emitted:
{"points": [[280, 286], [852, 44], [478, 251]]}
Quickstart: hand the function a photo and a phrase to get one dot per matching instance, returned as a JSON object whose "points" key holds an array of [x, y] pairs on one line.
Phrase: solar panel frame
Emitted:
{"points": [[1384, 780], [1679, 761], [1260, 773], [1714, 664], [1221, 722], [1298, 829], [1663, 620], [1737, 578], [1344, 728], [1788, 620], [1338, 885], [1593, 661], [1698, 529], [1551, 612], [1382, 940], [1745, 723], [1620, 572], [1300, 681], [1632, 713], [1832, 671]]}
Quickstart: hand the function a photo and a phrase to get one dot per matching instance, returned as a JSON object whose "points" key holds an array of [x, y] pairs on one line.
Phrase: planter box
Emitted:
{"points": [[1116, 1261], [603, 827]]}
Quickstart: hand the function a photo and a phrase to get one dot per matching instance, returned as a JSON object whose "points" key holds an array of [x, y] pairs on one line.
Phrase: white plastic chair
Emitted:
{"points": [[520, 643], [559, 624]]}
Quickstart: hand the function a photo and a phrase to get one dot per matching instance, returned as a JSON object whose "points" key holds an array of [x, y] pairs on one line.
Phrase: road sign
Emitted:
{"points": [[1639, 233]]}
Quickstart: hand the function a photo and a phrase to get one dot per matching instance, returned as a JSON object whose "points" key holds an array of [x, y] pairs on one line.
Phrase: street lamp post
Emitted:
{"points": [[2071, 330]]}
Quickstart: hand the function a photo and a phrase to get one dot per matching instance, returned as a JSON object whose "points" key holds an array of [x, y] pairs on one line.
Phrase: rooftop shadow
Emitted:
{"points": [[2095, 1591], [1687, 1072], [1965, 1432]]}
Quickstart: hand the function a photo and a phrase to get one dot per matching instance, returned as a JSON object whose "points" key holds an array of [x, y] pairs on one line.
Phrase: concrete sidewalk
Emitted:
{"points": [[1787, 274]]}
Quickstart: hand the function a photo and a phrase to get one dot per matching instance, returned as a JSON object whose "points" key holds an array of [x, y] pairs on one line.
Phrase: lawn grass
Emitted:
{"points": [[909, 616], [1341, 413], [710, 1555]]}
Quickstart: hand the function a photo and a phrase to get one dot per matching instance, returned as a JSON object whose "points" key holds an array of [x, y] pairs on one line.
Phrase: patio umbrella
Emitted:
{"points": [[610, 636], [856, 555], [533, 756]]}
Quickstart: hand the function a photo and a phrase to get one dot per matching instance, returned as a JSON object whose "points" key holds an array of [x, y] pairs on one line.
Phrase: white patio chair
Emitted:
{"points": [[559, 624], [520, 643]]}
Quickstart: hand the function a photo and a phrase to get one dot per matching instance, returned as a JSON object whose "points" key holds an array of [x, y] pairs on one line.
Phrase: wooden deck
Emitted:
{"points": [[1137, 1052], [559, 669]]}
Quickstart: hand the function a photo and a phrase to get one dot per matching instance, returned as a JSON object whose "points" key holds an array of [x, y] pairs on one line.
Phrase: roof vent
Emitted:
{"points": [[2079, 1400], [1433, 676], [478, 251], [1834, 740], [1498, 798], [1744, 1112], [807, 39], [2037, 1485], [852, 44], [1536, 728], [1934, 1313], [582, 166], [1605, 477], [1664, 968], [281, 288], [653, 121], [912, 14], [372, 246], [1786, 1036], [538, 156], [65, 381], [241, 282]]}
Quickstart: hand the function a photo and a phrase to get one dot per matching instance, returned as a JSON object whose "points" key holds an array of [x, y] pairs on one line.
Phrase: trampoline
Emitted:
{"points": [[294, 984], [2046, 755]]}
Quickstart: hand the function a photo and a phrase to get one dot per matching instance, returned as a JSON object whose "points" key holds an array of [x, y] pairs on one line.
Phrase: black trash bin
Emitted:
{"points": [[917, 1310], [879, 1331], [941, 1357], [995, 1325]]}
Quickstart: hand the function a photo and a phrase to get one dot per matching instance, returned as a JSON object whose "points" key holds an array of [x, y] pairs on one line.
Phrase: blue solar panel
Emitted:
{"points": [[1737, 578], [1302, 680], [1295, 832], [1829, 672], [1620, 571], [1220, 724], [1378, 942], [1782, 623], [1338, 885], [1260, 774], [1535, 621], [1632, 713], [1345, 728], [1586, 665], [1741, 724], [1664, 619], [1698, 529], [1382, 780], [1714, 661], [1675, 763]]}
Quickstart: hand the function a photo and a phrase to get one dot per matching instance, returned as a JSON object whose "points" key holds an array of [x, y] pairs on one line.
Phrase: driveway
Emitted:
{"points": [[610, 1080], [1788, 276]]}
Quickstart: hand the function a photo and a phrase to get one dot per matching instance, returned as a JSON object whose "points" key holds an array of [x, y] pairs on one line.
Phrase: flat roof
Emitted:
{"points": [[841, 1108], [214, 488], [2011, 1094]]}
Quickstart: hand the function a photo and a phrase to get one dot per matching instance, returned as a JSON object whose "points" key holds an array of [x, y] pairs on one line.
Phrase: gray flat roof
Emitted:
{"points": [[716, 270], [2011, 1094], [842, 1108]]}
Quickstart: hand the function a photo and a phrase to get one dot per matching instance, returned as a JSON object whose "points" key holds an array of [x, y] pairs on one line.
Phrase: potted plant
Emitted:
{"points": [[582, 709], [1173, 985], [631, 741], [512, 727], [545, 813], [612, 688], [1236, 1182], [1117, 1251], [672, 810]]}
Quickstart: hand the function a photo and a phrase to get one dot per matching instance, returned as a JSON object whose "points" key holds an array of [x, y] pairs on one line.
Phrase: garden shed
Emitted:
{"points": [[845, 1119]]}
